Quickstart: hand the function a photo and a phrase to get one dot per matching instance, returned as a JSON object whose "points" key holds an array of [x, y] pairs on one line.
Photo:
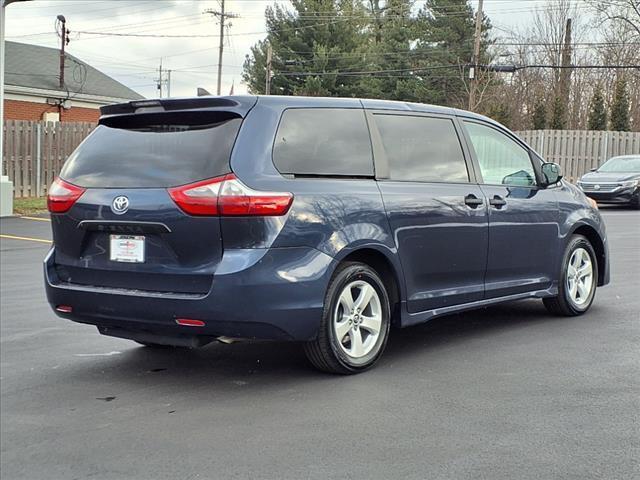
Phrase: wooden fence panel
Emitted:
{"points": [[577, 151], [50, 142]]}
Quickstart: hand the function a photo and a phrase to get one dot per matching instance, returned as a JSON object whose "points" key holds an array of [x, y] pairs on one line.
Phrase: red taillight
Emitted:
{"points": [[200, 198], [236, 199], [228, 196], [64, 309], [189, 322], [62, 196]]}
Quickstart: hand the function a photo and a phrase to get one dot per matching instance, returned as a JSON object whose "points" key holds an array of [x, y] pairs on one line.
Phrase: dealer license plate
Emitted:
{"points": [[127, 248]]}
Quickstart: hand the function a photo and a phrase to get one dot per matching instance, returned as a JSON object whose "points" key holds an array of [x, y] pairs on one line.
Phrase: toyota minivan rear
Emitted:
{"points": [[138, 214]]}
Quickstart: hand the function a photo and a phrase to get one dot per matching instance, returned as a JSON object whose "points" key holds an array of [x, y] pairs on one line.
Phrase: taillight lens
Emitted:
{"points": [[228, 196], [236, 199], [200, 198], [62, 196]]}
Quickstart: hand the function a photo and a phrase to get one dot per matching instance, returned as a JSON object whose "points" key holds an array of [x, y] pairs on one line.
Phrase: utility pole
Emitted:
{"points": [[64, 36], [565, 72], [267, 86], [164, 79], [473, 72], [222, 16], [159, 81]]}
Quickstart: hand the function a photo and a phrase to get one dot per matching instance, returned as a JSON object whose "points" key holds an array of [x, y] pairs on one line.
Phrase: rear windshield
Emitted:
{"points": [[154, 150]]}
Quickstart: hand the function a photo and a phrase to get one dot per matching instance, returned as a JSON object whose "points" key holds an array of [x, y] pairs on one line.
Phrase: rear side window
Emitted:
{"points": [[422, 149], [154, 150], [323, 141]]}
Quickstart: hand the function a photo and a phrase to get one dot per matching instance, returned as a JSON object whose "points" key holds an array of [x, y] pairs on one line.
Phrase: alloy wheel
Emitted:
{"points": [[357, 319], [580, 276]]}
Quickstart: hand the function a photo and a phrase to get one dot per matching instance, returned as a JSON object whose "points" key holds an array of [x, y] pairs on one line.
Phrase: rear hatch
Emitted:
{"points": [[122, 225]]}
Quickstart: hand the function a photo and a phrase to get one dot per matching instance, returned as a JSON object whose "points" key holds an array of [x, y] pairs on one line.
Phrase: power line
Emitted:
{"points": [[371, 72], [503, 68], [159, 35], [580, 67]]}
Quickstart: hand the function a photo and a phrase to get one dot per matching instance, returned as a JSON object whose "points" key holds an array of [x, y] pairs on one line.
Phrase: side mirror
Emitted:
{"points": [[521, 178], [593, 170], [551, 173]]}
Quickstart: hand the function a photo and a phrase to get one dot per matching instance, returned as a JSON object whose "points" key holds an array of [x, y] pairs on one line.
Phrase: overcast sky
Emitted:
{"points": [[193, 61]]}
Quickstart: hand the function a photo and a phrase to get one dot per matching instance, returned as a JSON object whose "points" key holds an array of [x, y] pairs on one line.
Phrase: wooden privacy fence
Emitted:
{"points": [[578, 151], [35, 151]]}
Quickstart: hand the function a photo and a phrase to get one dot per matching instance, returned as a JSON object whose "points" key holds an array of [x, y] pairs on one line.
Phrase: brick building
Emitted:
{"points": [[32, 86]]}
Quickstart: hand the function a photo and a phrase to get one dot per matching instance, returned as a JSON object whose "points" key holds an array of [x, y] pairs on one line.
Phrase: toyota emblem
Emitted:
{"points": [[596, 187], [120, 205]]}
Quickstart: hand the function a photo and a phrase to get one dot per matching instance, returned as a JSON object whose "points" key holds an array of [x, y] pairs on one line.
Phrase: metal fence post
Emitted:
{"points": [[38, 159]]}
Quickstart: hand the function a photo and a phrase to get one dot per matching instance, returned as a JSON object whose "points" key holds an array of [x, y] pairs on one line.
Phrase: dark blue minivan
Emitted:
{"points": [[319, 220]]}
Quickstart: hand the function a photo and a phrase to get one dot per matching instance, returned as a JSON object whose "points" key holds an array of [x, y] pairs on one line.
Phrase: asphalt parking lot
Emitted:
{"points": [[503, 393]]}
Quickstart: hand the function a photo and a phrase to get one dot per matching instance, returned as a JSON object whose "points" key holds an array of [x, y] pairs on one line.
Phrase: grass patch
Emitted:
{"points": [[29, 205]]}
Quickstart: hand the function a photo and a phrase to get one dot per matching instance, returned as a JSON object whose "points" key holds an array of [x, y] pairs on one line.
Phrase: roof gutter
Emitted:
{"points": [[63, 95]]}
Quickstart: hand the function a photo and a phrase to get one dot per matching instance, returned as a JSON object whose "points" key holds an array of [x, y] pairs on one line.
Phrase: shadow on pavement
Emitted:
{"points": [[274, 364]]}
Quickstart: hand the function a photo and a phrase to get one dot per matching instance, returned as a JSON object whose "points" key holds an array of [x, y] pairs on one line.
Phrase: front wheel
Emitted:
{"points": [[578, 279], [355, 322]]}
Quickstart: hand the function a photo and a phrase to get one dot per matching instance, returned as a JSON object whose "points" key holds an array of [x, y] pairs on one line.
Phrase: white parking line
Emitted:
{"points": [[37, 219], [30, 239]]}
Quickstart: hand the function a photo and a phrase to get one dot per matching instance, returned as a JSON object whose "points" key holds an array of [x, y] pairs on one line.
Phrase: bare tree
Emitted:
{"points": [[624, 11], [599, 38]]}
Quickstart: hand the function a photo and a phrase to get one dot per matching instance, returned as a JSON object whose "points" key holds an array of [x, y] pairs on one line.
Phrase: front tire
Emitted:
{"points": [[355, 322], [578, 279]]}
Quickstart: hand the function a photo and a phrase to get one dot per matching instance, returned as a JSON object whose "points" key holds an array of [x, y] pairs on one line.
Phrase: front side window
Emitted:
{"points": [[422, 149], [502, 160], [323, 141]]}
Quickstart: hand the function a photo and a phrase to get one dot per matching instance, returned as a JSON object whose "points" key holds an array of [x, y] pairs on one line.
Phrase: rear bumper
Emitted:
{"points": [[627, 195], [273, 293]]}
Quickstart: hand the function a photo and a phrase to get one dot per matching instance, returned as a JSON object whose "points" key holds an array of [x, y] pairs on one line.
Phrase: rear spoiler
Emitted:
{"points": [[240, 105]]}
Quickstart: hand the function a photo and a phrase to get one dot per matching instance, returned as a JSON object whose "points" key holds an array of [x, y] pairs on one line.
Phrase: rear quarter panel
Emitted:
{"points": [[333, 215]]}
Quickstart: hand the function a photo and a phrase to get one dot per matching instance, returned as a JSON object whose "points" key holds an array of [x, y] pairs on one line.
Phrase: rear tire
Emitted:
{"points": [[355, 322], [578, 279]]}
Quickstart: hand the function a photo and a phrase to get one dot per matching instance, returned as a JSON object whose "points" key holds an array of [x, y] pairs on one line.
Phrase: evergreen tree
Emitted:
{"points": [[448, 28], [620, 121], [597, 111], [319, 37], [500, 113], [389, 53], [558, 114], [367, 48], [539, 116]]}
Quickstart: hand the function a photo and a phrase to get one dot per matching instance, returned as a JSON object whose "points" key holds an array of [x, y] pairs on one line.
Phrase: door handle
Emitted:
{"points": [[497, 201], [472, 201]]}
